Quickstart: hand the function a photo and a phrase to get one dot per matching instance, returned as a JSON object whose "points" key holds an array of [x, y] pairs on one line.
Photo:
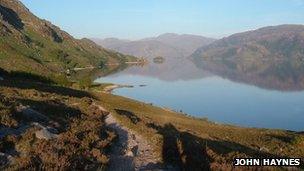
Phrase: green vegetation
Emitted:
{"points": [[41, 48], [85, 83], [44, 124]]}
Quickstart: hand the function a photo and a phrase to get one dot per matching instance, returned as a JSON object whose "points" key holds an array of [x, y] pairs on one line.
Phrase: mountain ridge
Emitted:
{"points": [[282, 41], [168, 45]]}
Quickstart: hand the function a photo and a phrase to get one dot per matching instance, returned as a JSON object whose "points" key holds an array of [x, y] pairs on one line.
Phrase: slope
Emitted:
{"points": [[34, 45]]}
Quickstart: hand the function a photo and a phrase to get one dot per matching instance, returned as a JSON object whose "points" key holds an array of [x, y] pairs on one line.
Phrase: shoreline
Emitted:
{"points": [[109, 89]]}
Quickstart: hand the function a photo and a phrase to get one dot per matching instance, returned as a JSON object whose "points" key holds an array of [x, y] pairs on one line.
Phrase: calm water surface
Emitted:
{"points": [[206, 95]]}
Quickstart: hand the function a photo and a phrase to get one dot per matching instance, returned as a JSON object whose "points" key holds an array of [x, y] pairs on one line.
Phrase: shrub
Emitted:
{"points": [[61, 80], [85, 82]]}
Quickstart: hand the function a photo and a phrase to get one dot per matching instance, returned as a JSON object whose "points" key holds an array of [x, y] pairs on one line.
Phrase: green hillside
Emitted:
{"points": [[33, 45], [268, 43]]}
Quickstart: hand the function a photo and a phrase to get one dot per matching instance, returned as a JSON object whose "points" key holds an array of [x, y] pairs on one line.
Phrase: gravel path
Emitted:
{"points": [[133, 152]]}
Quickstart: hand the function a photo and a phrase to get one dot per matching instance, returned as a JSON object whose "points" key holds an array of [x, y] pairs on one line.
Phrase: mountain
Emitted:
{"points": [[168, 45], [270, 57], [280, 42], [111, 42], [34, 45]]}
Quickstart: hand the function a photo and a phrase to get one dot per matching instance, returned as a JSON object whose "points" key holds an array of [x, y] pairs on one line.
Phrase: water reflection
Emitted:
{"points": [[253, 93], [280, 75], [170, 70], [284, 75]]}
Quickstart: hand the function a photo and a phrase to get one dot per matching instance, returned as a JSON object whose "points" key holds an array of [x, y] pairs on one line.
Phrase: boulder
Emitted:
{"points": [[31, 114], [45, 134]]}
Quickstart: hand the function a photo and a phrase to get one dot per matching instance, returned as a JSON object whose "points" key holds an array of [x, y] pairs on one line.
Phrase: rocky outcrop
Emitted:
{"points": [[31, 114]]}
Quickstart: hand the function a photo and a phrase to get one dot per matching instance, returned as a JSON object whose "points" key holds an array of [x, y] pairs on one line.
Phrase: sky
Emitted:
{"points": [[135, 19]]}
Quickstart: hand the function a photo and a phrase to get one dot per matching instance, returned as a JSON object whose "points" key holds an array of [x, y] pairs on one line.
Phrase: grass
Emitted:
{"points": [[31, 48], [84, 140], [178, 140]]}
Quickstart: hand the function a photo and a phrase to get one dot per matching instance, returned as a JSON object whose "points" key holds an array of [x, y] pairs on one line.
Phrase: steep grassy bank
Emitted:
{"points": [[192, 143]]}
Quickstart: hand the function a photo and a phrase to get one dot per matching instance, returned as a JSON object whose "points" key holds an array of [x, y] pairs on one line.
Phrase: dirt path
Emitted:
{"points": [[133, 152]]}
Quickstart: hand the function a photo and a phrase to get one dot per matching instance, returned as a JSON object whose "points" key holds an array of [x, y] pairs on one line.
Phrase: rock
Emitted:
{"points": [[31, 114], [5, 160], [45, 134], [48, 128], [52, 130], [129, 153], [264, 149], [135, 150], [1, 78]]}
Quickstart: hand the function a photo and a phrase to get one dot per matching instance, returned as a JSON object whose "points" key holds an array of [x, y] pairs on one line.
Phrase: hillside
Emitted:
{"points": [[34, 45], [275, 42], [167, 45], [270, 57]]}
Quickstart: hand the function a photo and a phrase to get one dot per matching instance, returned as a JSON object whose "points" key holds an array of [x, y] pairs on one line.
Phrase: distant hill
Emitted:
{"points": [[167, 45], [270, 57], [34, 45], [280, 42]]}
